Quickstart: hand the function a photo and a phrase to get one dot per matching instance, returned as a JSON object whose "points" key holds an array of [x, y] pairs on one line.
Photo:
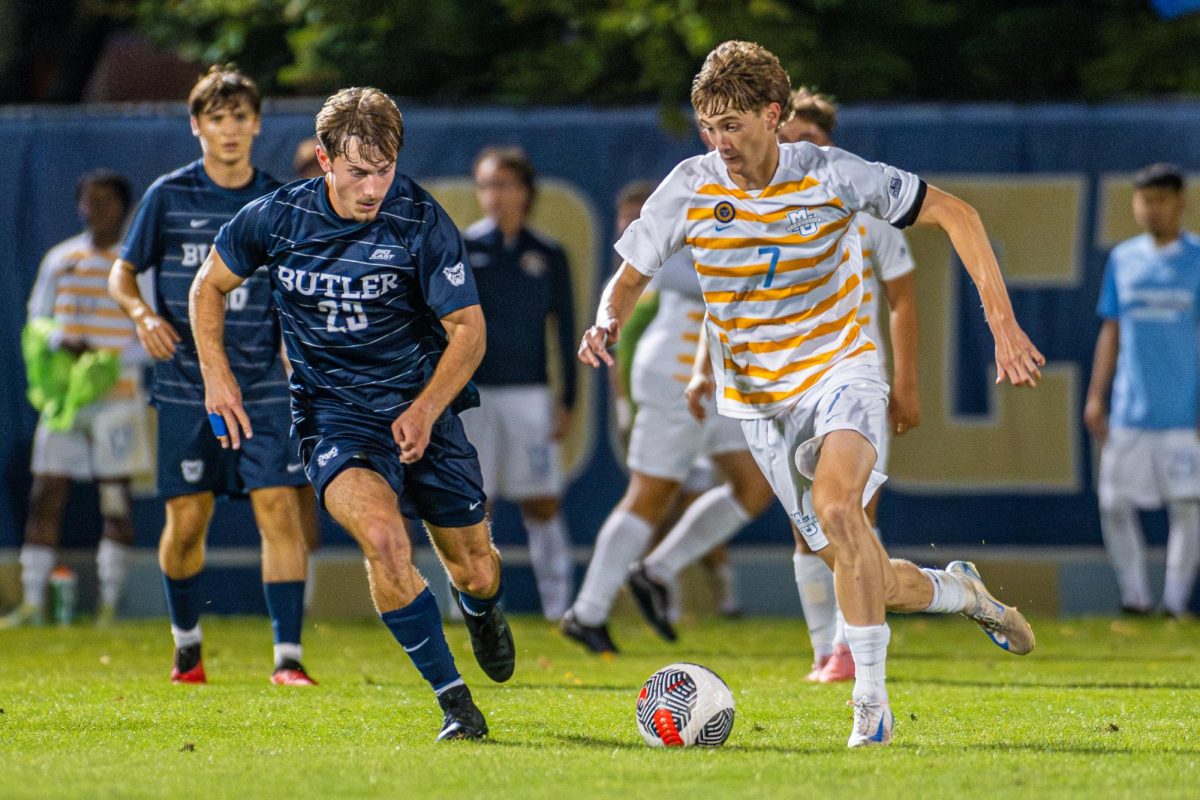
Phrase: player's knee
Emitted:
{"points": [[385, 543], [478, 577], [836, 510]]}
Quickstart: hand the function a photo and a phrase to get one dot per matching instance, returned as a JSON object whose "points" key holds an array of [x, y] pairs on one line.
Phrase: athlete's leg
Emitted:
{"points": [[47, 500], [284, 572], [814, 581], [181, 559], [116, 542], [1183, 555], [1126, 546], [549, 553]]}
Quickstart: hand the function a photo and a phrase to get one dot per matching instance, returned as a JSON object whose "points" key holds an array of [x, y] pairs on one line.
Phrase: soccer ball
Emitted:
{"points": [[685, 705]]}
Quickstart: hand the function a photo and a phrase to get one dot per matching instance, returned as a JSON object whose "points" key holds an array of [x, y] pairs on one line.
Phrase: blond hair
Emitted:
{"points": [[366, 114], [740, 76]]}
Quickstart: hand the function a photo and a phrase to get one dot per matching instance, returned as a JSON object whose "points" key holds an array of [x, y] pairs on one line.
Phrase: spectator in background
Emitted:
{"points": [[524, 281], [1148, 354], [106, 441]]}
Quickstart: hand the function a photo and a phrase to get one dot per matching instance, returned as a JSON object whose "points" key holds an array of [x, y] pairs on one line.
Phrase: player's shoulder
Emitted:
{"points": [[68, 249], [478, 230], [184, 178], [1191, 242], [409, 203], [1131, 247]]}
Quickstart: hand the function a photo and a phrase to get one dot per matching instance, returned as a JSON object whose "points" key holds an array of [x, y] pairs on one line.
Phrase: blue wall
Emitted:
{"points": [[598, 151]]}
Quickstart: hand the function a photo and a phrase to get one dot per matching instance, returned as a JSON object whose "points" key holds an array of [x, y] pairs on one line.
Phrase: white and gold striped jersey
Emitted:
{"points": [[662, 363], [781, 267], [885, 257]]}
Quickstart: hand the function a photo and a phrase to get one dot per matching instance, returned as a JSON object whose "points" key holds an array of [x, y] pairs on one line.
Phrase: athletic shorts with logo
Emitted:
{"points": [[108, 440], [1149, 468], [443, 488], [191, 460], [850, 397], [667, 440]]}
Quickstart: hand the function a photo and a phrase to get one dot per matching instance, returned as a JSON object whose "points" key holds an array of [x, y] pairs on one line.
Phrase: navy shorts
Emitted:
{"points": [[190, 458], [444, 488]]}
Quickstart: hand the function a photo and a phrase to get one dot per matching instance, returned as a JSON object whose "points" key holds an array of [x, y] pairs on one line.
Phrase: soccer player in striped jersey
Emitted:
{"points": [[170, 236], [106, 443], [771, 231], [887, 269], [383, 328]]}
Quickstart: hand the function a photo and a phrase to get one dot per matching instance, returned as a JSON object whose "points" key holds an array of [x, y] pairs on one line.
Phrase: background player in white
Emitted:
{"points": [[886, 264], [1150, 304], [106, 443], [663, 448], [524, 284], [780, 263]]}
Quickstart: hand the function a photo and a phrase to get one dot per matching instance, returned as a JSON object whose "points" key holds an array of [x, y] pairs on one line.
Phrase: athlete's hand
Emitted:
{"points": [[1017, 360], [155, 334], [699, 391], [1095, 417], [411, 431], [223, 398], [596, 341], [904, 408]]}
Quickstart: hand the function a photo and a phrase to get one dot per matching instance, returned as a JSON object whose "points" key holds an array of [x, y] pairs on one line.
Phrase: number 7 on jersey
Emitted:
{"points": [[774, 252]]}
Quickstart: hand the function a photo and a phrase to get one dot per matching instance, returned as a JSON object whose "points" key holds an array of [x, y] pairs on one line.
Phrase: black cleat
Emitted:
{"points": [[593, 637], [653, 601], [461, 718], [491, 640]]}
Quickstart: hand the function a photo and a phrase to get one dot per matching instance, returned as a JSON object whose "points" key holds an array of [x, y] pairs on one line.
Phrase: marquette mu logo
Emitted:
{"points": [[803, 222]]}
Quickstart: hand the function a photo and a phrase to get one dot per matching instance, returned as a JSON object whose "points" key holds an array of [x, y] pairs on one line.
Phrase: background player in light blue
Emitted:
{"points": [[170, 235], [383, 329], [1150, 303]]}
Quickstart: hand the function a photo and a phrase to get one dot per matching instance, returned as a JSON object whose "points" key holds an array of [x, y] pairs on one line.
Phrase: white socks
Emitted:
{"points": [[550, 556], [868, 645], [711, 520], [287, 651], [1127, 553], [185, 638], [112, 565], [37, 561], [621, 541], [1183, 555], [814, 581], [950, 596]]}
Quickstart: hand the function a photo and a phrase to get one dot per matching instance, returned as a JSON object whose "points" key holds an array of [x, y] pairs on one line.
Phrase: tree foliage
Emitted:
{"points": [[630, 51]]}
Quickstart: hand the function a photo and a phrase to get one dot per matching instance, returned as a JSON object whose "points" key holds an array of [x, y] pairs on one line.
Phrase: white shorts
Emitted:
{"points": [[788, 445], [109, 440], [512, 430], [666, 440], [1149, 468]]}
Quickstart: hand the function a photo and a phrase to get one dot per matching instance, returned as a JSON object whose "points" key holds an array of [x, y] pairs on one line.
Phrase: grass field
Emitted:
{"points": [[1103, 709]]}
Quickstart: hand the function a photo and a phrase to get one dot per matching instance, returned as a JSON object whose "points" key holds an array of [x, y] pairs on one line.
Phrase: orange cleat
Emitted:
{"points": [[291, 673]]}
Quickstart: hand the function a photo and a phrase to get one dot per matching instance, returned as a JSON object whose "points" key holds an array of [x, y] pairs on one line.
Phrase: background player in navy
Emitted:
{"points": [[383, 328], [524, 280], [171, 235]]}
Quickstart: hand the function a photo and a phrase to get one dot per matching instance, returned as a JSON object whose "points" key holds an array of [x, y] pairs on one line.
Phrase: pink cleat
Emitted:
{"points": [[818, 665], [839, 667]]}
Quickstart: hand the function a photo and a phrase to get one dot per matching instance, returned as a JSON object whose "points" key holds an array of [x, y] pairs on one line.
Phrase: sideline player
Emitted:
{"points": [[523, 280], [383, 327], [171, 234], [664, 445], [887, 265], [1150, 304], [107, 441], [780, 263]]}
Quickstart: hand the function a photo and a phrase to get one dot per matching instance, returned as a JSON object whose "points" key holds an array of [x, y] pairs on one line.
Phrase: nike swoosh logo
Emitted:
{"points": [[474, 505], [293, 468], [415, 648], [198, 223], [719, 228]]}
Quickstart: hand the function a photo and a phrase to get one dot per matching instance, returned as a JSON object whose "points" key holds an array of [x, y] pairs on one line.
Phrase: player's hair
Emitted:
{"points": [[106, 177], [1159, 176], [637, 191], [814, 107], [740, 76], [305, 158], [516, 161], [366, 114], [222, 86]]}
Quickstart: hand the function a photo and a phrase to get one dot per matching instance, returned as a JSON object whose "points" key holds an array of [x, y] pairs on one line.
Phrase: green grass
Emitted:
{"points": [[1102, 709]]}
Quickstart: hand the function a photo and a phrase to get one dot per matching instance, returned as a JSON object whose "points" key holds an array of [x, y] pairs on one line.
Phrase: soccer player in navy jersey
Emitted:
{"points": [[170, 236], [383, 328]]}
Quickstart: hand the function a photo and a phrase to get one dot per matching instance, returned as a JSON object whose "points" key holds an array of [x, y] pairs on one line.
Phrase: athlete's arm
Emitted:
{"points": [[701, 385], [1104, 366], [206, 309], [1017, 360], [154, 332], [467, 336], [904, 409], [616, 304]]}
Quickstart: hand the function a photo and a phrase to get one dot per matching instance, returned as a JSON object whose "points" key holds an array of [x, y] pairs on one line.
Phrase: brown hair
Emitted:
{"points": [[814, 107], [365, 113], [221, 87], [740, 76], [513, 159]]}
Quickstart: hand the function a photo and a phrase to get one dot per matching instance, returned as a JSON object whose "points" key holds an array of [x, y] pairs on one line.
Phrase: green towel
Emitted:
{"points": [[61, 384]]}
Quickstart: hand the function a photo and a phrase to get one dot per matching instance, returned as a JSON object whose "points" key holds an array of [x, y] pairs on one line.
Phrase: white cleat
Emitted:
{"points": [[1004, 625], [873, 724]]}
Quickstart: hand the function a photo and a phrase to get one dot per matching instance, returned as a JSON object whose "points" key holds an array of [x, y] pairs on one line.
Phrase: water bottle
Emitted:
{"points": [[62, 593]]}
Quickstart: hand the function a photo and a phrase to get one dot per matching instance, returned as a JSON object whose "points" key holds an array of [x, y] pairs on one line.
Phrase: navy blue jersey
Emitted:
{"points": [[171, 234], [520, 287], [359, 302]]}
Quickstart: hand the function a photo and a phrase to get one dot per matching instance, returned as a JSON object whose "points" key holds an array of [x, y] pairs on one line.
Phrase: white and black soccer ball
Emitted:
{"points": [[685, 705]]}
